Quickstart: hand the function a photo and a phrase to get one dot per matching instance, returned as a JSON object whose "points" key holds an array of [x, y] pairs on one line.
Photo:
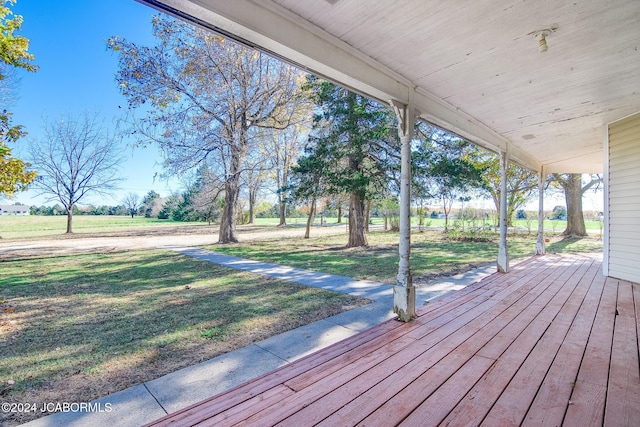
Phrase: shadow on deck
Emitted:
{"points": [[553, 342]]}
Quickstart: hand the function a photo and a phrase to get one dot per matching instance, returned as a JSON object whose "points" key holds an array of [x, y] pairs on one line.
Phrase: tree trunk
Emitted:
{"points": [[312, 212], [446, 206], [339, 214], [231, 195], [70, 220], [281, 181], [367, 213], [573, 197], [283, 213], [357, 236], [229, 213], [253, 195], [510, 207]]}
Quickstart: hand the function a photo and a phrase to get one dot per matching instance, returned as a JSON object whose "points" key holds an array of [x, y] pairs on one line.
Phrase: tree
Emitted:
{"points": [[75, 158], [204, 98], [151, 204], [206, 199], [351, 148], [254, 178], [444, 167], [559, 212], [284, 147], [309, 183], [521, 182], [132, 203], [14, 173], [571, 184]]}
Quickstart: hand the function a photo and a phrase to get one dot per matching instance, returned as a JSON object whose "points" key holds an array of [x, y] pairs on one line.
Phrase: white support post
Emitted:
{"points": [[404, 293], [540, 247], [503, 254]]}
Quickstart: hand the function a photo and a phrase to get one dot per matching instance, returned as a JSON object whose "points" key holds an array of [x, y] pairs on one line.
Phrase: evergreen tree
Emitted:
{"points": [[351, 148]]}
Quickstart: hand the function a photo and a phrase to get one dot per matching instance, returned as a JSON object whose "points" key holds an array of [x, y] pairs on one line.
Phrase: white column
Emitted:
{"points": [[503, 254], [404, 293], [540, 249]]}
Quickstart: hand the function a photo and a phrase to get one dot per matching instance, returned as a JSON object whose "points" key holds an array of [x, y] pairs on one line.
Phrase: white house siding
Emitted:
{"points": [[14, 210], [623, 194]]}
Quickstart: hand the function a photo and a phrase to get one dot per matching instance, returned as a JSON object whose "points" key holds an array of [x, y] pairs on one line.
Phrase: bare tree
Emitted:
{"points": [[254, 177], [205, 99], [208, 189], [75, 158], [132, 202]]}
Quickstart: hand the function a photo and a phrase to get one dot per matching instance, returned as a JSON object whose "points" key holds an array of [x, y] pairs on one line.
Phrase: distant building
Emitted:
{"points": [[14, 210]]}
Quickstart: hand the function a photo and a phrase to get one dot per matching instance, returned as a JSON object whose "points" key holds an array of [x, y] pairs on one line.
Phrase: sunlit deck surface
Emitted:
{"points": [[552, 343]]}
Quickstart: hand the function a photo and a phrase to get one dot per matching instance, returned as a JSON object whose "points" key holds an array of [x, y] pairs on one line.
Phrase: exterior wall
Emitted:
{"points": [[622, 246], [14, 210]]}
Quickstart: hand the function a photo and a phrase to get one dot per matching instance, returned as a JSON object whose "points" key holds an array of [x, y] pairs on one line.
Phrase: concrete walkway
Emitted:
{"points": [[151, 400]]}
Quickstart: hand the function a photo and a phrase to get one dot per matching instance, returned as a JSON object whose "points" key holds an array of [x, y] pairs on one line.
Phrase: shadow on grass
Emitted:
{"points": [[76, 324], [571, 244]]}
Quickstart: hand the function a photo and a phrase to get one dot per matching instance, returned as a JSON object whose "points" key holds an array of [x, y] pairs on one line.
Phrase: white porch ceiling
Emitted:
{"points": [[470, 67]]}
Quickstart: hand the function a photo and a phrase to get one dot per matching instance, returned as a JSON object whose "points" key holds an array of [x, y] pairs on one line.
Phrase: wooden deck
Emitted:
{"points": [[551, 343]]}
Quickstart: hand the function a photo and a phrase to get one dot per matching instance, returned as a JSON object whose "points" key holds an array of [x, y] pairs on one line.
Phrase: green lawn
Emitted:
{"points": [[74, 328], [593, 227], [32, 226], [432, 253], [12, 227]]}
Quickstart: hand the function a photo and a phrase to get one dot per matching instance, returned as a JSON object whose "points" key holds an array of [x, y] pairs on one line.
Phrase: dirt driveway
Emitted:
{"points": [[143, 238]]}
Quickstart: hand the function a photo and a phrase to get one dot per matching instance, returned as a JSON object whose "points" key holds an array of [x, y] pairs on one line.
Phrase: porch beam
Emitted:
{"points": [[503, 253], [275, 30], [404, 293], [540, 246]]}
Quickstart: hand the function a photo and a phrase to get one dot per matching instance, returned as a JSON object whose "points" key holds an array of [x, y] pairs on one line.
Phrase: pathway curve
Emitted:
{"points": [[149, 401]]}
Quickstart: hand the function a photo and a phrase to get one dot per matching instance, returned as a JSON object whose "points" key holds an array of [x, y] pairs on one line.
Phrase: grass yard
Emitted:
{"points": [[15, 227], [433, 255], [79, 327], [33, 226]]}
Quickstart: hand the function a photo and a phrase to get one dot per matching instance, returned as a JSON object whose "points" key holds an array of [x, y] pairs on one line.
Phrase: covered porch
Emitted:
{"points": [[552, 86], [552, 343], [549, 85]]}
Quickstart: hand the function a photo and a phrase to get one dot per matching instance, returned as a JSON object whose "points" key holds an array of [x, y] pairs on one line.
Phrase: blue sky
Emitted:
{"points": [[68, 39]]}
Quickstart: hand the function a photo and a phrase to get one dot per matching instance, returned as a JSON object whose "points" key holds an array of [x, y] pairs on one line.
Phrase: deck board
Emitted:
{"points": [[550, 403], [509, 381], [590, 388], [541, 345], [624, 376], [455, 333]]}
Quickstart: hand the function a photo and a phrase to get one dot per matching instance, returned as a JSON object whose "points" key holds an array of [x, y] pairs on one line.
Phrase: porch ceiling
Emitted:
{"points": [[475, 66]]}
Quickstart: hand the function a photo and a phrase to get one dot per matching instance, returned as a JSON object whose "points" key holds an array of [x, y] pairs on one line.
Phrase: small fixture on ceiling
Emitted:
{"points": [[542, 42], [332, 2], [542, 35]]}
